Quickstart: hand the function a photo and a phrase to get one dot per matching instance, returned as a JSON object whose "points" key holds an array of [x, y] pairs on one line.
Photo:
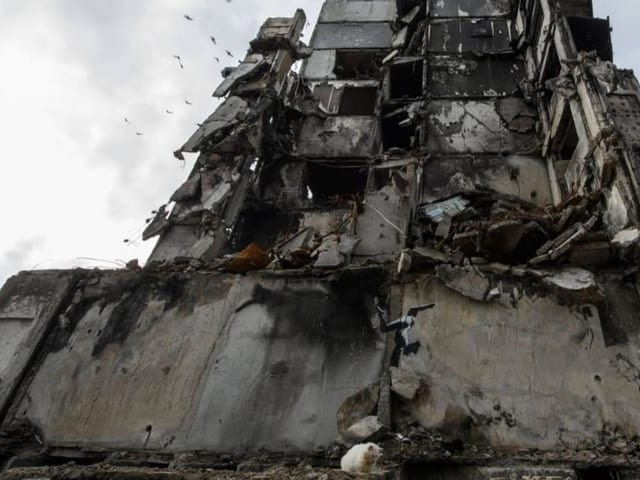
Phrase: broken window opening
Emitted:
{"points": [[552, 70], [537, 19], [358, 101], [397, 129], [357, 65], [329, 182], [405, 80], [598, 473], [591, 34], [263, 227], [382, 177], [564, 148], [568, 139]]}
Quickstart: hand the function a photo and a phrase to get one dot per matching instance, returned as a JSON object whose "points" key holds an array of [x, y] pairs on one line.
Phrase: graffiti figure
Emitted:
{"points": [[401, 326]]}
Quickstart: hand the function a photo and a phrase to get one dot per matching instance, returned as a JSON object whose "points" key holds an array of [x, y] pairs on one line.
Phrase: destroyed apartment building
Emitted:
{"points": [[425, 236]]}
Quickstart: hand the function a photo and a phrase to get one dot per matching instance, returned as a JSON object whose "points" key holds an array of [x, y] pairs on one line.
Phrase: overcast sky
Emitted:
{"points": [[76, 179]]}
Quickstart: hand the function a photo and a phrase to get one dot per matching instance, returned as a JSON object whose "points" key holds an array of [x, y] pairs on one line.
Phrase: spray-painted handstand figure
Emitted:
{"points": [[401, 326]]}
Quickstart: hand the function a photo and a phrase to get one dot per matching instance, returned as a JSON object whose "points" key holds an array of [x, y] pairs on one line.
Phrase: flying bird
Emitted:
{"points": [[217, 59], [139, 134], [126, 120], [229, 53], [188, 102], [169, 112], [177, 57], [188, 17], [213, 39]]}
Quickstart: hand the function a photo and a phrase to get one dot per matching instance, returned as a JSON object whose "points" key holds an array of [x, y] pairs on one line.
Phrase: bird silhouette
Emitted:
{"points": [[126, 120], [188, 102], [213, 39], [229, 53], [139, 134], [188, 18], [217, 59], [169, 112], [177, 57]]}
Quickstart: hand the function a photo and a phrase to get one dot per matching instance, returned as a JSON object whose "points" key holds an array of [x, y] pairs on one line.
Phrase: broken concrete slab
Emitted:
{"points": [[627, 243], [158, 224], [405, 384], [188, 190], [279, 32], [368, 429], [251, 66], [232, 111], [357, 406], [464, 280], [575, 286]]}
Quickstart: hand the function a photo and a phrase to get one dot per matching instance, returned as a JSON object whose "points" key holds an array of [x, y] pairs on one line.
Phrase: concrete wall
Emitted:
{"points": [[28, 302], [473, 126], [535, 376], [207, 362], [520, 175]]}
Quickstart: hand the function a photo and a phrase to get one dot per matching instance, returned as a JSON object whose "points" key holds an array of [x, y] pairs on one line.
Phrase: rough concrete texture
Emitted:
{"points": [[28, 305], [211, 362], [536, 376], [473, 126], [357, 11], [471, 8], [524, 176], [338, 137]]}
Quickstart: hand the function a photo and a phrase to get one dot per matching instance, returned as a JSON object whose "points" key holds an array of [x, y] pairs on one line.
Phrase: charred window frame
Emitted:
{"points": [[398, 131], [262, 225], [406, 79], [348, 100], [357, 64], [358, 101], [592, 34], [330, 182]]}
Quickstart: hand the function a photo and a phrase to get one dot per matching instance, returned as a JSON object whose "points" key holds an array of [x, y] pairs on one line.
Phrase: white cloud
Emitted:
{"points": [[76, 177]]}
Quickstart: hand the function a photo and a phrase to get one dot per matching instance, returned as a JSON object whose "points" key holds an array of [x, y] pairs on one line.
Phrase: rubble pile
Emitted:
{"points": [[505, 228]]}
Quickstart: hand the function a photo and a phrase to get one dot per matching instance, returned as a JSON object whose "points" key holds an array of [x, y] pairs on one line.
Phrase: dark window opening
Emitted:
{"points": [[591, 34], [405, 80], [405, 6], [597, 473], [535, 26], [263, 227], [568, 137], [381, 177], [358, 101], [564, 148], [398, 131], [357, 65], [552, 70], [328, 182]]}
